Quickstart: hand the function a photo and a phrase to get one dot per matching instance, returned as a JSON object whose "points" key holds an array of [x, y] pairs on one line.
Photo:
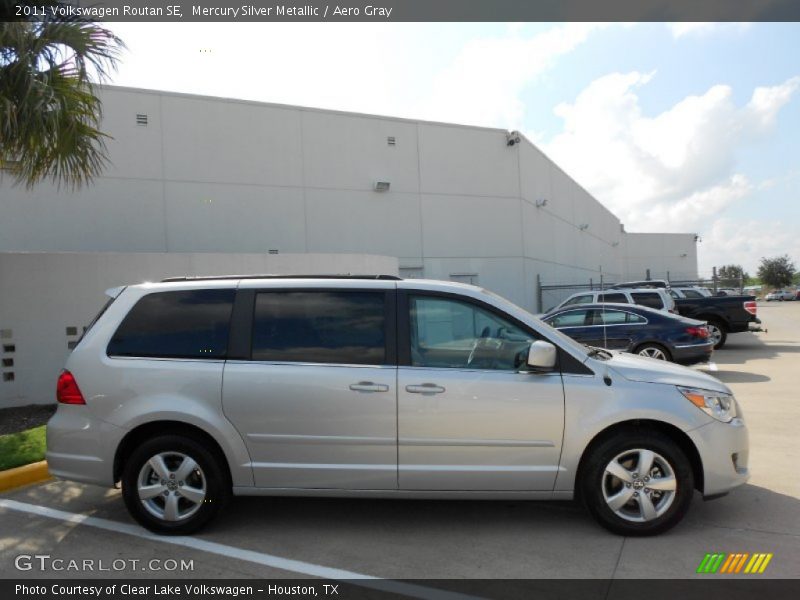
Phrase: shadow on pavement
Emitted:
{"points": [[739, 377]]}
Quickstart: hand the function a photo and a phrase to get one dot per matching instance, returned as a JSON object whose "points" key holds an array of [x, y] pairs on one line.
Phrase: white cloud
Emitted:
{"points": [[693, 211], [680, 30], [669, 171], [484, 83], [734, 242], [427, 71]]}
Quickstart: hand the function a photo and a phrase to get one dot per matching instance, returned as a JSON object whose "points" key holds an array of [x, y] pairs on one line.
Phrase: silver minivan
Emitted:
{"points": [[189, 391]]}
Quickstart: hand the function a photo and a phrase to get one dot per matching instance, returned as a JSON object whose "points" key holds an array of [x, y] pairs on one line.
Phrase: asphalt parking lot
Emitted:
{"points": [[286, 537]]}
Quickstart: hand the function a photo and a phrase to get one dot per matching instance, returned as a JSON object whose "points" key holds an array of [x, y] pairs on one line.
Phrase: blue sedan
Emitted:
{"points": [[636, 329]]}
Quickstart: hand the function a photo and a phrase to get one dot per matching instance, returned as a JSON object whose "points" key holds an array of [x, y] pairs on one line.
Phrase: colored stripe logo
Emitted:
{"points": [[737, 562]]}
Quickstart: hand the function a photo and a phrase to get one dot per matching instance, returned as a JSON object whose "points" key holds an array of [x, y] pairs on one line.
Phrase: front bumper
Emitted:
{"points": [[80, 447], [724, 452]]}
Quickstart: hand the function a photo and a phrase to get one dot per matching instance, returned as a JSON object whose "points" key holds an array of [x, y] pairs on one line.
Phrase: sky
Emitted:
{"points": [[689, 127]]}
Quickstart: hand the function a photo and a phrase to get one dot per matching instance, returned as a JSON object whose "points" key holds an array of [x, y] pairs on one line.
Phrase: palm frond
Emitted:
{"points": [[49, 110]]}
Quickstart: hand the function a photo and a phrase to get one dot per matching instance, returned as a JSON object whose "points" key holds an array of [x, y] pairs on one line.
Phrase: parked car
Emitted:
{"points": [[657, 298], [723, 315], [189, 391], [642, 283], [637, 329], [690, 292], [780, 295], [797, 295]]}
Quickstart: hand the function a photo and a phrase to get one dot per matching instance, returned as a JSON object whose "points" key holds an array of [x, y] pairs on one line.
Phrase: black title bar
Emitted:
{"points": [[401, 10]]}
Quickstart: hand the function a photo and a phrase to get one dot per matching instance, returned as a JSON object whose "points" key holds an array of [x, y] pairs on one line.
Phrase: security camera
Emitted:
{"points": [[512, 137]]}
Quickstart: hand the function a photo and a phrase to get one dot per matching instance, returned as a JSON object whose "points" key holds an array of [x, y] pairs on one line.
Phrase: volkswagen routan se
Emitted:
{"points": [[192, 390]]}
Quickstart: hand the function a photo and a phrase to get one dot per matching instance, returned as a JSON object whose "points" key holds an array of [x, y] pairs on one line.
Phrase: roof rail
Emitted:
{"points": [[342, 276]]}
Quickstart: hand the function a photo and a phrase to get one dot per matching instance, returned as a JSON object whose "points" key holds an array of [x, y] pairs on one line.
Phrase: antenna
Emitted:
{"points": [[605, 328]]}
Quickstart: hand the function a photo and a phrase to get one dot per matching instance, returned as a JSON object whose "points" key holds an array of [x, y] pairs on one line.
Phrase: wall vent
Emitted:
{"points": [[6, 334], [72, 331], [391, 140], [9, 348], [8, 376], [141, 119], [8, 362], [273, 251], [71, 345]]}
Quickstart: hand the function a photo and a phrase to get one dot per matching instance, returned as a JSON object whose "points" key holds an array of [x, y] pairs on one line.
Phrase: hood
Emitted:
{"points": [[651, 370]]}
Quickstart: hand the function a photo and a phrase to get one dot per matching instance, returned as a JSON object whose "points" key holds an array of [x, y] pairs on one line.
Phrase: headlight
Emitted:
{"points": [[719, 405]]}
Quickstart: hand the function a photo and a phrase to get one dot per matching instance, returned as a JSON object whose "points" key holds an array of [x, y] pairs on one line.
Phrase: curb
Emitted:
{"points": [[24, 475]]}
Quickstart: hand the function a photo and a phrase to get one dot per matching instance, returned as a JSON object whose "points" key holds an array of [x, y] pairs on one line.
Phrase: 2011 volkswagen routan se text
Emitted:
{"points": [[189, 391]]}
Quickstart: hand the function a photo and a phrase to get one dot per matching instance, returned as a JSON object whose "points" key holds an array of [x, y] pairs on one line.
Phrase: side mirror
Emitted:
{"points": [[542, 356]]}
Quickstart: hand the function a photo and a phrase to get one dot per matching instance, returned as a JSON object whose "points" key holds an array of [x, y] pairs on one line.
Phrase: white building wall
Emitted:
{"points": [[665, 255], [44, 293], [227, 176]]}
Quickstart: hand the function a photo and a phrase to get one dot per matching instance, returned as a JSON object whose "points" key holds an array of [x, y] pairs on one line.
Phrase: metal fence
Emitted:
{"points": [[550, 294]]}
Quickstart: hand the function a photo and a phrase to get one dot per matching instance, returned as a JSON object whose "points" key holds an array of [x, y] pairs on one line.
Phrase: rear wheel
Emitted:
{"points": [[173, 485], [637, 483], [717, 334], [654, 351]]}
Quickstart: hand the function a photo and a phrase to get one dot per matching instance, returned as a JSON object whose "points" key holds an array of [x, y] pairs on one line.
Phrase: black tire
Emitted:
{"points": [[592, 480], [212, 473], [723, 332], [652, 346]]}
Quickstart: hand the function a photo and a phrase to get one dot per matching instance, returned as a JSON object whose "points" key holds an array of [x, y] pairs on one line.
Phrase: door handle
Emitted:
{"points": [[368, 386], [425, 388]]}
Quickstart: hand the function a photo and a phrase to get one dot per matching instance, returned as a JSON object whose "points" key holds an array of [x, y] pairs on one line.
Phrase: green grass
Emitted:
{"points": [[23, 448]]}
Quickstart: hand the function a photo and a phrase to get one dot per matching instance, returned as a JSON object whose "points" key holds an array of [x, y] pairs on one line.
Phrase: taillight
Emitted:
{"points": [[67, 390], [701, 332], [751, 307]]}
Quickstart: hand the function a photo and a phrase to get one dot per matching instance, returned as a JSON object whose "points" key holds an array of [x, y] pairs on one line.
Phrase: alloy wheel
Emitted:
{"points": [[639, 485], [653, 352], [714, 333], [171, 486]]}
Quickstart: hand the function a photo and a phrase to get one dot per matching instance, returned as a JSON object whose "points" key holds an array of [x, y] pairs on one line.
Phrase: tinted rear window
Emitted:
{"points": [[320, 327], [620, 298], [184, 324], [652, 300]]}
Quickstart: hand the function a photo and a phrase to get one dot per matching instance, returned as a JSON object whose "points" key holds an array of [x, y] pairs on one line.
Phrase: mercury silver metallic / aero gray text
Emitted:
{"points": [[190, 391]]}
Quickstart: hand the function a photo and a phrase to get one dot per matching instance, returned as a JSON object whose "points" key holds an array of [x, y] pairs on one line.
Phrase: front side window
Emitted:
{"points": [[333, 327], [450, 333], [181, 324], [651, 299], [692, 294]]}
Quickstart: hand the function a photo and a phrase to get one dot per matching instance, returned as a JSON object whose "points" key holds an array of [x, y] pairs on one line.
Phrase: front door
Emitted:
{"points": [[469, 416], [316, 404]]}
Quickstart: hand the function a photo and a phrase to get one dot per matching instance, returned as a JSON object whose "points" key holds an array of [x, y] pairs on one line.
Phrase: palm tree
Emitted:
{"points": [[49, 112]]}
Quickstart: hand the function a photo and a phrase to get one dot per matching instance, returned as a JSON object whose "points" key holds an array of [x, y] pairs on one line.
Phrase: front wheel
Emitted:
{"points": [[637, 483], [173, 485]]}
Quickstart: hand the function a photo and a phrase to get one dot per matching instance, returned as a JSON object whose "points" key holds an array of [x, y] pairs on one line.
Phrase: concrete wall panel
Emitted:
{"points": [[349, 221], [461, 226], [231, 142], [467, 161], [352, 153], [203, 217]]}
